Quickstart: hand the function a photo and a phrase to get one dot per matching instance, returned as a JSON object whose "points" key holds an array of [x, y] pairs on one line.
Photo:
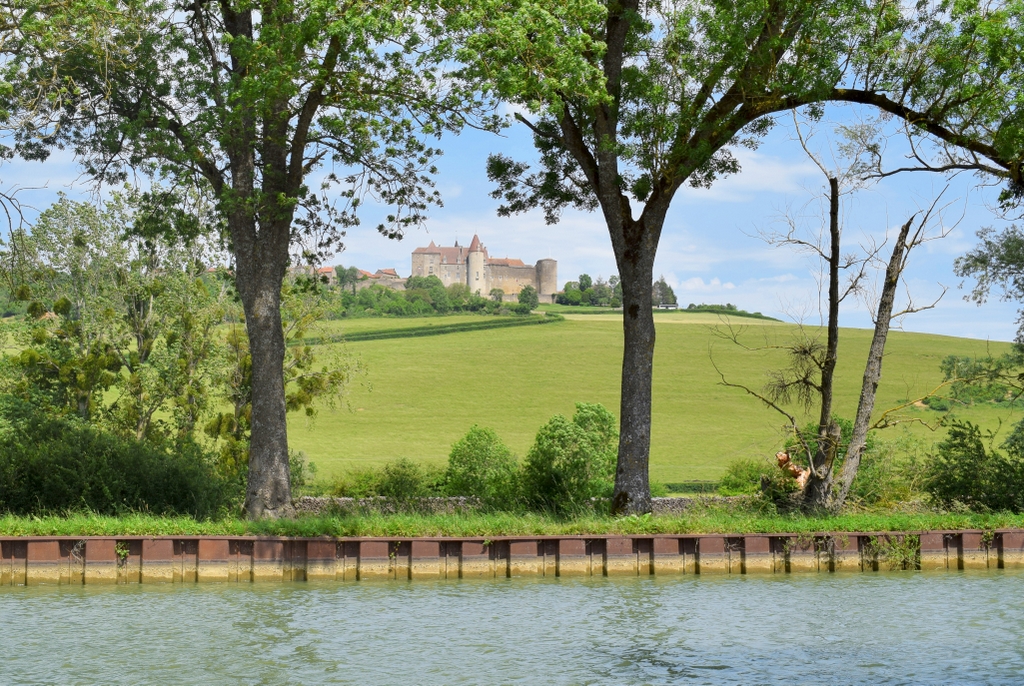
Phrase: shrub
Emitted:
{"points": [[51, 465], [572, 462], [753, 477], [810, 436], [965, 472], [401, 480], [743, 477], [404, 480], [937, 404], [522, 308], [481, 465], [361, 483], [891, 472], [301, 471]]}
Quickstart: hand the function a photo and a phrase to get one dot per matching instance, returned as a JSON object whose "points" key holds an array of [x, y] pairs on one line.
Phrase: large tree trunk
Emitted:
{"points": [[632, 493], [818, 491], [261, 257], [269, 488], [873, 368]]}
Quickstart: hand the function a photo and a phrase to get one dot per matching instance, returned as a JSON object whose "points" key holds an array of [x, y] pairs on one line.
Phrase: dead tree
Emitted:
{"points": [[809, 379]]}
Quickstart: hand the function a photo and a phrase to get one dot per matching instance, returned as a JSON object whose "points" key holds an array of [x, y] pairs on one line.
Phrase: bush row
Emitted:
{"points": [[571, 463], [59, 465], [420, 331], [423, 295]]}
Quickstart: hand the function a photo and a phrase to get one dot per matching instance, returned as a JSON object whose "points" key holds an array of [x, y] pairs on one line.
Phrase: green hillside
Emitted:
{"points": [[419, 395]]}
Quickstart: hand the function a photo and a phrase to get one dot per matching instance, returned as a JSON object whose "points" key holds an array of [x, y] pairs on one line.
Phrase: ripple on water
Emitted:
{"points": [[871, 628]]}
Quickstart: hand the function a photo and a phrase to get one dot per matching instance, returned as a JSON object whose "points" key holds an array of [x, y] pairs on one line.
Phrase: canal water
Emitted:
{"points": [[893, 628]]}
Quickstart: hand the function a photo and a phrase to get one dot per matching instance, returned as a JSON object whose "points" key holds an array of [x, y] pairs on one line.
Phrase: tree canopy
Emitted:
{"points": [[247, 101], [628, 101]]}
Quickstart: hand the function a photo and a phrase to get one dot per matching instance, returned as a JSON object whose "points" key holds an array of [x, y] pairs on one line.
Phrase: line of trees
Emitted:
{"points": [[423, 295], [600, 293], [586, 291], [628, 102]]}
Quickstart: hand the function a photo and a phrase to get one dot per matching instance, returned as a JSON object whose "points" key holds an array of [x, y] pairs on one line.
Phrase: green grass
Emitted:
{"points": [[705, 521], [578, 309], [682, 313], [419, 395]]}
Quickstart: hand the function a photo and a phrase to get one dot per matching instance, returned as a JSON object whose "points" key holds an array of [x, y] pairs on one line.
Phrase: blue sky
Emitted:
{"points": [[709, 250]]}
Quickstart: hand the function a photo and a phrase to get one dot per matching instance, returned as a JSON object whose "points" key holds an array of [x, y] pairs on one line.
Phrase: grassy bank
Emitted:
{"points": [[500, 524]]}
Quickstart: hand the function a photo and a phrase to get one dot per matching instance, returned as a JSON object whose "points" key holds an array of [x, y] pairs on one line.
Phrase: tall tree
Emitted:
{"points": [[629, 100], [246, 99]]}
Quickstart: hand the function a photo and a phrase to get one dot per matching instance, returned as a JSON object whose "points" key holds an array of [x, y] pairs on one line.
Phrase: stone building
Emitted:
{"points": [[474, 267], [388, 278]]}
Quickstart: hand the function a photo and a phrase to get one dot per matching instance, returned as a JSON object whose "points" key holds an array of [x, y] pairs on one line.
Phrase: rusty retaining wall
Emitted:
{"points": [[134, 559]]}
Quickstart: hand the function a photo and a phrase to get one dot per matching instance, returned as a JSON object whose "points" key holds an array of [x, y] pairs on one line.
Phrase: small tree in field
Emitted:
{"points": [[528, 297], [347, 278], [663, 293]]}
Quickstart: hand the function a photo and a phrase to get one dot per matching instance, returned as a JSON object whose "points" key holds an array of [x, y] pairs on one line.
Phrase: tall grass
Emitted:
{"points": [[708, 520]]}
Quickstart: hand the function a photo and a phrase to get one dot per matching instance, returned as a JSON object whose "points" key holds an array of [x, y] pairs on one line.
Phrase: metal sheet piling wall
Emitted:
{"points": [[190, 559]]}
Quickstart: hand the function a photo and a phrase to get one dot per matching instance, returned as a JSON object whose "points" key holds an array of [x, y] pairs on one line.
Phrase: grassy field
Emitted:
{"points": [[420, 395]]}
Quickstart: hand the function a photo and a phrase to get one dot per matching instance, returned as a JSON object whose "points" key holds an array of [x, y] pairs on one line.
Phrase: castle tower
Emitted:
{"points": [[547, 280], [476, 277]]}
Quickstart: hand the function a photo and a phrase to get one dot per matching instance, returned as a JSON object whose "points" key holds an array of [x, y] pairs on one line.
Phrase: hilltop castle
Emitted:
{"points": [[482, 273]]}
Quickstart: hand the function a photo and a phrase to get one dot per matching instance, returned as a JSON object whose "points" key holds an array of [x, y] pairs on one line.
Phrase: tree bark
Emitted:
{"points": [[268, 493], [873, 368], [819, 483], [260, 249], [632, 493]]}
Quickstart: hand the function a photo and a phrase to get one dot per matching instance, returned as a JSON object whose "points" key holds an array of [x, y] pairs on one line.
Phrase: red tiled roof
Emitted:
{"points": [[457, 254], [387, 272], [452, 255]]}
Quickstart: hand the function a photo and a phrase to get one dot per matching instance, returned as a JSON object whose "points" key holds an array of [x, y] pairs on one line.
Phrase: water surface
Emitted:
{"points": [[898, 628]]}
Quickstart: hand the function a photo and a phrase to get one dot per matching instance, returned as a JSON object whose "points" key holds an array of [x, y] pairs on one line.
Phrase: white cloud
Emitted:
{"points": [[698, 285], [759, 173]]}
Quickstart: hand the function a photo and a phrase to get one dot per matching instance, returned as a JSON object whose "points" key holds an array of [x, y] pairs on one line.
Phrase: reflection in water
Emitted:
{"points": [[885, 628]]}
